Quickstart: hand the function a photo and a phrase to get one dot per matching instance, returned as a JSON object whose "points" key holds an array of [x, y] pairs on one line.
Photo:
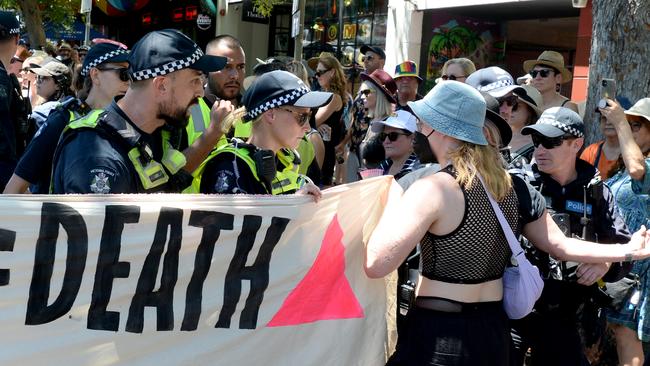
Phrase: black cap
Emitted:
{"points": [[101, 53], [168, 50], [277, 88], [365, 48], [492, 114], [9, 25]]}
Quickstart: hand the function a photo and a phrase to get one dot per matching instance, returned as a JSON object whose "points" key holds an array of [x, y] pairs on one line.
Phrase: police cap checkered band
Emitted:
{"points": [[168, 67], [165, 51], [285, 99], [564, 127], [277, 88], [494, 85], [101, 59]]}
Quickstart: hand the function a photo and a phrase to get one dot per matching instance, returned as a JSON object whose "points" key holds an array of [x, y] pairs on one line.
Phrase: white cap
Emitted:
{"points": [[400, 119]]}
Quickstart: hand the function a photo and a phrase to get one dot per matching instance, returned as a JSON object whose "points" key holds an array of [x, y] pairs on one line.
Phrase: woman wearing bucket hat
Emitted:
{"points": [[630, 184], [101, 77], [547, 72], [377, 92], [458, 315]]}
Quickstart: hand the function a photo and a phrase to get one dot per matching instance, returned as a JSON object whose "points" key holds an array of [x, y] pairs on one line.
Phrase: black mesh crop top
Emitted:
{"points": [[477, 250]]}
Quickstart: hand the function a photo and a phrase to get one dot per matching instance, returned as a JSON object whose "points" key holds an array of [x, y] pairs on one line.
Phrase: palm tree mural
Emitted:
{"points": [[453, 40]]}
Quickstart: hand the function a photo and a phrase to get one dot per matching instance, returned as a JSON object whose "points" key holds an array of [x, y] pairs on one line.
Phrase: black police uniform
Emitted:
{"points": [[552, 329], [35, 165], [8, 155], [95, 160]]}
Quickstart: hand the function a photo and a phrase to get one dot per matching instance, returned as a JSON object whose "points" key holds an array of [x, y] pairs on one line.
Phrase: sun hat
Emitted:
{"points": [[407, 68], [494, 80], [492, 114], [365, 48], [640, 109], [553, 59], [402, 119], [454, 109], [277, 88], [522, 80], [165, 51], [531, 96], [384, 82], [50, 67], [555, 122], [103, 53]]}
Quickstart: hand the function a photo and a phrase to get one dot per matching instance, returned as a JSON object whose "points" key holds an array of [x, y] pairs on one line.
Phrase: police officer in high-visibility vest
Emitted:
{"points": [[278, 105], [116, 151], [102, 76]]}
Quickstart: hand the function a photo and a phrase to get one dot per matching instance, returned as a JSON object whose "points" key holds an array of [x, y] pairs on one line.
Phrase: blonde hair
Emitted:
{"points": [[338, 81], [469, 158], [466, 64], [383, 108], [297, 68]]}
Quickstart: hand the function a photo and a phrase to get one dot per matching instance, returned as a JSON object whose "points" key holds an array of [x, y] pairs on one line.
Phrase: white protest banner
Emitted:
{"points": [[191, 279]]}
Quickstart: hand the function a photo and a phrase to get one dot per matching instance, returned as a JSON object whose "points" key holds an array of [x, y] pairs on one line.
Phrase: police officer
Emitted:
{"points": [[278, 106], [116, 151], [103, 75], [584, 207], [13, 116]]}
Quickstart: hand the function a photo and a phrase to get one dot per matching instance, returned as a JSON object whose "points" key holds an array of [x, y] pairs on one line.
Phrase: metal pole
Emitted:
{"points": [[87, 35], [339, 40], [297, 48]]}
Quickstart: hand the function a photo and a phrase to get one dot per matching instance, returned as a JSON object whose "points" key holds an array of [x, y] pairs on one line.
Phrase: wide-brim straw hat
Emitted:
{"points": [[553, 59]]}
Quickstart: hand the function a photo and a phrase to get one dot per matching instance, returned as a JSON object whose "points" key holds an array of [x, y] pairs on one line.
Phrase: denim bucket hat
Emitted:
{"points": [[454, 109]]}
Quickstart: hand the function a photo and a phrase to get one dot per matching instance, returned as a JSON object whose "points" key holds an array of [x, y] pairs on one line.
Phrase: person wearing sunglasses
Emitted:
{"points": [[547, 72], [584, 208], [524, 104], [278, 104], [53, 84], [102, 77], [374, 58], [629, 181], [331, 78], [397, 131], [457, 69]]}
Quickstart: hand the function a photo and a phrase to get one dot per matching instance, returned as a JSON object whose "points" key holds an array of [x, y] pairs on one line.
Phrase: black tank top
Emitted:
{"points": [[477, 250]]}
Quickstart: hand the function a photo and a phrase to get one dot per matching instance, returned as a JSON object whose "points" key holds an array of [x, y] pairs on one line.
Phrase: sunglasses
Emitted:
{"points": [[367, 58], [635, 126], [302, 119], [366, 92], [549, 142], [16, 59], [320, 73], [122, 72], [392, 136], [510, 101], [543, 73], [40, 78], [452, 77]]}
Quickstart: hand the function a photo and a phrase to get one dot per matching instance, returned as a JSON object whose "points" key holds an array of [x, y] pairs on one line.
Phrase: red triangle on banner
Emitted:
{"points": [[324, 293]]}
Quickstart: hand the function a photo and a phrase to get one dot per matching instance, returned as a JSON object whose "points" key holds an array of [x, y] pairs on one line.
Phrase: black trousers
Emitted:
{"points": [[478, 337], [552, 338]]}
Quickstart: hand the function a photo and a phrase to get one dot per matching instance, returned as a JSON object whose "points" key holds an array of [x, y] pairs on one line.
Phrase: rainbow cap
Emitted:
{"points": [[407, 68]]}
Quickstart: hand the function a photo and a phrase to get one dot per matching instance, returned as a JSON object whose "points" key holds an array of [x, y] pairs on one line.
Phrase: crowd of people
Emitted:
{"points": [[167, 116]]}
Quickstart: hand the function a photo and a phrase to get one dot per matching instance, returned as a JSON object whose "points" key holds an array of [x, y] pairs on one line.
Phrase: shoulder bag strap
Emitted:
{"points": [[515, 247]]}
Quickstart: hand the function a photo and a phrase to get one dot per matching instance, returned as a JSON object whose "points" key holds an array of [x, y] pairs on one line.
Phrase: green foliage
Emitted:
{"points": [[265, 7], [56, 11]]}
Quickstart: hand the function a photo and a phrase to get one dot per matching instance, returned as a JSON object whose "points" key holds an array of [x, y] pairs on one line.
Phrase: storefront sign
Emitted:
{"points": [[203, 21], [349, 31], [250, 14]]}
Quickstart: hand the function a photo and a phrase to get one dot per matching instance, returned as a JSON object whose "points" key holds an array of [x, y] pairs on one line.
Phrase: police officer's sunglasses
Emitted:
{"points": [[122, 72], [302, 118], [549, 142]]}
